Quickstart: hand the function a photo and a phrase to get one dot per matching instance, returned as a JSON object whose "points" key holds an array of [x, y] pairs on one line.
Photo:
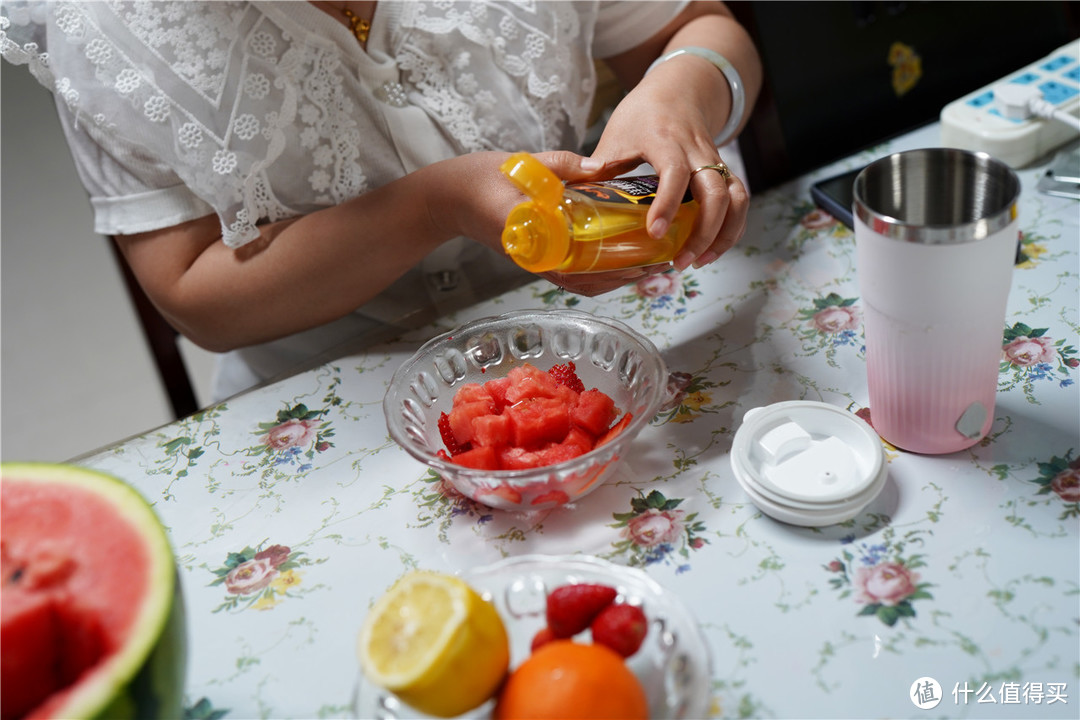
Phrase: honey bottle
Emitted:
{"points": [[587, 227]]}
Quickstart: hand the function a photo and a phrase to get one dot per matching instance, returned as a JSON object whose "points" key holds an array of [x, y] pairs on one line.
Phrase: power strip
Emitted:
{"points": [[976, 121]]}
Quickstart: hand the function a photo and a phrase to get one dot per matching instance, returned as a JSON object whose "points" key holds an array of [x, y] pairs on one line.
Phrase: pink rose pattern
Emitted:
{"points": [[1030, 355], [247, 575], [817, 219], [654, 527], [655, 530], [655, 286], [294, 437], [835, 319], [880, 580], [886, 583], [250, 576], [1066, 484], [291, 433], [1026, 352], [1060, 476], [833, 322]]}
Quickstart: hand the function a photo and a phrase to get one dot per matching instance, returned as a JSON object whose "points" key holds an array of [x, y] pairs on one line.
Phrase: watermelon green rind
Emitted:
{"points": [[145, 678]]}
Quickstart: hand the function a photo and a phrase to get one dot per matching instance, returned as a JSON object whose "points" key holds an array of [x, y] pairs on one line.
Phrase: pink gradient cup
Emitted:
{"points": [[936, 233]]}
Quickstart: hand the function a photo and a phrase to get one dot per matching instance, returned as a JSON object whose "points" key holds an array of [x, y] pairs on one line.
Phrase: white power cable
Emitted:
{"points": [[1042, 108], [1020, 102]]}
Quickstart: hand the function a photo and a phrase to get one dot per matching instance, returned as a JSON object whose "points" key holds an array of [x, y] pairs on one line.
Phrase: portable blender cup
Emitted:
{"points": [[935, 233]]}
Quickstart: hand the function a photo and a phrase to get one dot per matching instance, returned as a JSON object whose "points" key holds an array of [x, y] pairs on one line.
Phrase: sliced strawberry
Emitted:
{"points": [[620, 627], [566, 374], [451, 443], [571, 608]]}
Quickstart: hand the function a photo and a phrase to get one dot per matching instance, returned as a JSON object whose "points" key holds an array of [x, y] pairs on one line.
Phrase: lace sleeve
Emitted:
{"points": [[130, 192], [148, 82]]}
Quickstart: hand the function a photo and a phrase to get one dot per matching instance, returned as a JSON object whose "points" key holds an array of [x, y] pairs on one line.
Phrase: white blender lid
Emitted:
{"points": [[808, 461]]}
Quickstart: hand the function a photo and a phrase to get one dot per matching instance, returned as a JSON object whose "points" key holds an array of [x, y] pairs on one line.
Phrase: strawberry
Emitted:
{"points": [[571, 608], [448, 438], [566, 374], [542, 637], [620, 627]]}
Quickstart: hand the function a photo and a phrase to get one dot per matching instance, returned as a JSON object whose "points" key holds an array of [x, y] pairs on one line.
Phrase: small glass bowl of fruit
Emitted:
{"points": [[532, 636], [529, 410]]}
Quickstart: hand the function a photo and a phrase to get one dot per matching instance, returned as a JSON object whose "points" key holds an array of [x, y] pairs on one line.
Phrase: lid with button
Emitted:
{"points": [[808, 458]]}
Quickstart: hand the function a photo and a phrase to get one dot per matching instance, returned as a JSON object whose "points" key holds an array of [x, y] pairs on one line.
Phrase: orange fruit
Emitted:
{"points": [[564, 679]]}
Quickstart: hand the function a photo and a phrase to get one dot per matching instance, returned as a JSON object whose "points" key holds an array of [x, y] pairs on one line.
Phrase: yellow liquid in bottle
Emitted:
{"points": [[612, 236], [587, 227]]}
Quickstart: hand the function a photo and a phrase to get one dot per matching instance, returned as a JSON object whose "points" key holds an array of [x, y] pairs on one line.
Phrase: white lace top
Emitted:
{"points": [[264, 110], [258, 111]]}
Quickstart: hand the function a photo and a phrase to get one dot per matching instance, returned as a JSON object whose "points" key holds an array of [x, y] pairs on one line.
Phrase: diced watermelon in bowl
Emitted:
{"points": [[528, 410]]}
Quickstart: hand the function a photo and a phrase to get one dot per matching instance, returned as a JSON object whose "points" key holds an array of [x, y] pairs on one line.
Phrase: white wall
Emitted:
{"points": [[75, 372]]}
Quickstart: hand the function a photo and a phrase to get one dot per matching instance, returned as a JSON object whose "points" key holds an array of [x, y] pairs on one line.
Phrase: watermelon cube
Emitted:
{"points": [[497, 388], [472, 392], [538, 421], [481, 458], [527, 381], [492, 430], [517, 458], [594, 412], [462, 416], [558, 452], [579, 439]]}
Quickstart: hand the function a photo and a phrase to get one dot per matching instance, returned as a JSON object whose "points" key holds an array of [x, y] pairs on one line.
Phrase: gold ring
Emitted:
{"points": [[720, 167]]}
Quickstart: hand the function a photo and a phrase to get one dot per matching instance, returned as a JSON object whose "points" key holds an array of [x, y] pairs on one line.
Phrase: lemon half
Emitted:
{"points": [[435, 643]]}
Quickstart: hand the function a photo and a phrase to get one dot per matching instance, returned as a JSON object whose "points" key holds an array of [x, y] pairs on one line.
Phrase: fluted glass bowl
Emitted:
{"points": [[608, 356], [673, 663]]}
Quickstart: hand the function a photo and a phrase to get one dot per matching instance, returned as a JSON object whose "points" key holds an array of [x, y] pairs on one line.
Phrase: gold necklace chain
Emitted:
{"points": [[359, 26]]}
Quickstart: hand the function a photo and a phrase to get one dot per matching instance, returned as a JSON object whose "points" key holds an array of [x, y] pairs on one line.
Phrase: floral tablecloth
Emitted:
{"points": [[290, 509]]}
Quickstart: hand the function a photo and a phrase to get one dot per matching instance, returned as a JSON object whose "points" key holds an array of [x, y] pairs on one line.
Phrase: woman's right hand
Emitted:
{"points": [[472, 197], [481, 204]]}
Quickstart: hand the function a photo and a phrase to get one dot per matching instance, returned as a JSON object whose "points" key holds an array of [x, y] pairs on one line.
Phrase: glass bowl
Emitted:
{"points": [[608, 356], [673, 663]]}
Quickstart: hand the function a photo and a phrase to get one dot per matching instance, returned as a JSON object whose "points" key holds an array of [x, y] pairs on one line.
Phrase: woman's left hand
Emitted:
{"points": [[675, 142], [669, 120]]}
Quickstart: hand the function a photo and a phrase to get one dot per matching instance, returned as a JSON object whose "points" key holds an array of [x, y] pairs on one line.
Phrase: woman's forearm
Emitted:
{"points": [[310, 270], [300, 272]]}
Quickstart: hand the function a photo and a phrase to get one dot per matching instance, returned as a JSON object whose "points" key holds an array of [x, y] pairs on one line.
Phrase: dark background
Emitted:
{"points": [[828, 85]]}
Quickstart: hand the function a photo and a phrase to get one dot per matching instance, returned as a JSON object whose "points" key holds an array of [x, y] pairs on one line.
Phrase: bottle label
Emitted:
{"points": [[639, 190]]}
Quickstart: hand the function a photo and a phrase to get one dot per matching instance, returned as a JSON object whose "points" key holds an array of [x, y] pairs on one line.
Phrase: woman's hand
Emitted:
{"points": [[669, 120], [482, 215], [675, 143], [481, 196]]}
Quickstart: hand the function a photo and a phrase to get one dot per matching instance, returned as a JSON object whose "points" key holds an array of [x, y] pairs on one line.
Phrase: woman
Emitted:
{"points": [[283, 177]]}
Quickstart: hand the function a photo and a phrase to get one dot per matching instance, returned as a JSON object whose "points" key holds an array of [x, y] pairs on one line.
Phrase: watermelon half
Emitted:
{"points": [[92, 618]]}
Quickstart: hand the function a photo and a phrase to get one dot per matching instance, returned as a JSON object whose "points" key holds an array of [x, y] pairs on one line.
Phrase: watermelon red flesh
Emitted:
{"points": [[593, 412], [462, 415], [538, 421], [531, 418], [89, 595]]}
